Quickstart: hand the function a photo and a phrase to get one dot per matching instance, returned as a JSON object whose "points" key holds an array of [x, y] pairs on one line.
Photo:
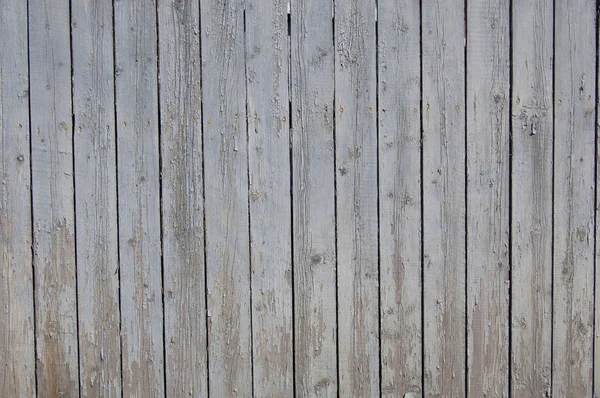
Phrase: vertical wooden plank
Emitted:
{"points": [[182, 197], [267, 52], [17, 356], [96, 199], [356, 199], [313, 205], [226, 197], [488, 196], [574, 179], [139, 198], [531, 198], [400, 196], [53, 197], [444, 204]]}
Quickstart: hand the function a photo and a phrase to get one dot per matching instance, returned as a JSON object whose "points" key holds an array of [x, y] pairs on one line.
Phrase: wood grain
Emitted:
{"points": [[531, 198], [139, 198], [17, 349]]}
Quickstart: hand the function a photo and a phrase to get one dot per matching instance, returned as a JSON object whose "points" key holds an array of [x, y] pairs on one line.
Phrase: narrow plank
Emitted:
{"points": [[356, 199], [400, 197], [139, 198], [531, 198], [443, 30], [267, 53], [182, 198], [53, 198], [17, 354], [574, 179], [226, 197], [488, 196], [96, 199], [313, 175]]}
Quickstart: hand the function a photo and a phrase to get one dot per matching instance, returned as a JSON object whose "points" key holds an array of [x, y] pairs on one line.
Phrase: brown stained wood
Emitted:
{"points": [[139, 198], [400, 197], [17, 356], [267, 70], [182, 198], [53, 198], [443, 27], [531, 198], [313, 174], [96, 199], [574, 179], [356, 199], [488, 184], [226, 200]]}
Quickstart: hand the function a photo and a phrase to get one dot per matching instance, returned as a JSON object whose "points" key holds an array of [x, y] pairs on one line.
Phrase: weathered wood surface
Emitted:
{"points": [[267, 73], [531, 198], [96, 199], [488, 188], [53, 198], [444, 222], [574, 181], [139, 198], [399, 90], [17, 356], [182, 198]]}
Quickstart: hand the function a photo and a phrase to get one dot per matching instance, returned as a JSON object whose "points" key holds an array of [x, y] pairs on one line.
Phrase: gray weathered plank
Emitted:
{"points": [[139, 198], [312, 65], [53, 198], [400, 196], [226, 197], [182, 198], [488, 196], [531, 198], [17, 356], [356, 198], [574, 179], [443, 30], [96, 199], [267, 52]]}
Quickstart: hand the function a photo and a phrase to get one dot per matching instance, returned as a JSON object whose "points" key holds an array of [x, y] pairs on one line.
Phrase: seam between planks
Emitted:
{"points": [[421, 185], [379, 317], [510, 190], [466, 209]]}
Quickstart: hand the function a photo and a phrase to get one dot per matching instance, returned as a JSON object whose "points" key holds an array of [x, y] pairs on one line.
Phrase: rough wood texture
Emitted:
{"points": [[531, 198], [139, 198], [400, 197], [96, 199], [574, 179], [443, 29], [53, 198], [267, 54], [226, 197], [182, 198], [356, 197], [17, 356], [313, 151], [488, 196]]}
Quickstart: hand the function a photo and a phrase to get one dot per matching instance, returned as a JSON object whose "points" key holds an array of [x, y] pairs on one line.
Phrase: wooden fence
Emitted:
{"points": [[254, 198]]}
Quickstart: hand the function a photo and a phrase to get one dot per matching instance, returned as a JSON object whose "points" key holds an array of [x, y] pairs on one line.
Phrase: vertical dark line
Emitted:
{"points": [[422, 202], [510, 191], [553, 220], [378, 192], [595, 205], [335, 213], [33, 279], [466, 171]]}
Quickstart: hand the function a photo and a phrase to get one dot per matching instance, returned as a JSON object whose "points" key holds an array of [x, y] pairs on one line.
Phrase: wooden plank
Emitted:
{"points": [[356, 199], [267, 54], [96, 199], [313, 175], [400, 197], [443, 29], [226, 197], [139, 198], [53, 198], [488, 197], [531, 198], [182, 198], [574, 179], [17, 356]]}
